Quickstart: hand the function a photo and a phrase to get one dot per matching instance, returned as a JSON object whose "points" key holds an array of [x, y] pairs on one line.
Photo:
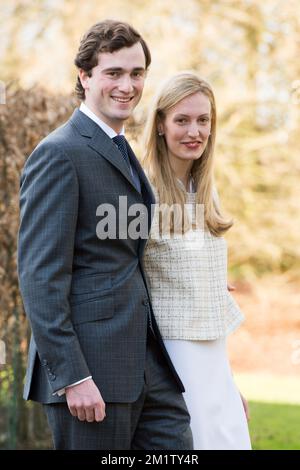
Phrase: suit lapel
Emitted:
{"points": [[147, 193], [142, 176], [99, 141]]}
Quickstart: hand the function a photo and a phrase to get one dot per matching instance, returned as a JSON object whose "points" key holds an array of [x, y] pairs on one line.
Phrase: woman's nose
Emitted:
{"points": [[194, 130]]}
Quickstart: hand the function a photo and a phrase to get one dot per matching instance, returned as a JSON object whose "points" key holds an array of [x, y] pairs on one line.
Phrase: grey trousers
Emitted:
{"points": [[157, 420]]}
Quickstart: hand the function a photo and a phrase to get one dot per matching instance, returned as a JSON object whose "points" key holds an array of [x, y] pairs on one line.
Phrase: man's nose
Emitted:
{"points": [[125, 84]]}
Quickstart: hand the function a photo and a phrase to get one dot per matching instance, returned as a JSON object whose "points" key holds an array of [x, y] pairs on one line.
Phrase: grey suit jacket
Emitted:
{"points": [[86, 299]]}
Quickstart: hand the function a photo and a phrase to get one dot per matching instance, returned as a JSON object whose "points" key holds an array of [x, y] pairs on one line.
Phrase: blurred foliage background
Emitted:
{"points": [[248, 51]]}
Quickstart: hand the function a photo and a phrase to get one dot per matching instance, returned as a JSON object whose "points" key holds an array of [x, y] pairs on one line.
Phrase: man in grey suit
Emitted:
{"points": [[96, 359]]}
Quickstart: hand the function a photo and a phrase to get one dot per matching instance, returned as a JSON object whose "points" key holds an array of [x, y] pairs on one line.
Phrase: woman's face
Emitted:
{"points": [[186, 128]]}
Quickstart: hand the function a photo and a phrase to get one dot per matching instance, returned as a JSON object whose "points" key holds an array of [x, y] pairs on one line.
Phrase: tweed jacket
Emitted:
{"points": [[188, 279]]}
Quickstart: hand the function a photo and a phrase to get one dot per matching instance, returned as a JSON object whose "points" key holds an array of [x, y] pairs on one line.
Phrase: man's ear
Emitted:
{"points": [[84, 78]]}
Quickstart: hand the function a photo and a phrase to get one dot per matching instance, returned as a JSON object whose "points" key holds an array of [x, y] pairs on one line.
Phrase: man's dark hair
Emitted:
{"points": [[106, 36]]}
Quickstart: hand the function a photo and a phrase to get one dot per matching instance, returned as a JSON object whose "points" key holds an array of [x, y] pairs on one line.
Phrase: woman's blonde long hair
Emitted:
{"points": [[156, 161]]}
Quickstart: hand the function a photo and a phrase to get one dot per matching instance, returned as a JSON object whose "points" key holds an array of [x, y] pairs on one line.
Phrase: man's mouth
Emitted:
{"points": [[122, 99]]}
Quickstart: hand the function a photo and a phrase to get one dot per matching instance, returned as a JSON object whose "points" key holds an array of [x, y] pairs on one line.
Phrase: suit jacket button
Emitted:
{"points": [[44, 362], [52, 377], [146, 302]]}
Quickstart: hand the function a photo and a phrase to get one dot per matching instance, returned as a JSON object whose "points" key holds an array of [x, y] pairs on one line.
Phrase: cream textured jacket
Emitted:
{"points": [[188, 279]]}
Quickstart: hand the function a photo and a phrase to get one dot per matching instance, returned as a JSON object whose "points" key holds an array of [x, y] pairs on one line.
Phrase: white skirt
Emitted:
{"points": [[218, 420]]}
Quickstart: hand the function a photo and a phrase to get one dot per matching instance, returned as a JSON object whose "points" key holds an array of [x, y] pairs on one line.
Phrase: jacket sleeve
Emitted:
{"points": [[48, 216]]}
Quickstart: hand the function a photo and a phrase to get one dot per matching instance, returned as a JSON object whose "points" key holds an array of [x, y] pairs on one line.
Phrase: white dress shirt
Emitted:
{"points": [[108, 130]]}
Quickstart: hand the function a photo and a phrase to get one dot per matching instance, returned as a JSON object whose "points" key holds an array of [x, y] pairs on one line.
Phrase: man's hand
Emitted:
{"points": [[85, 401]]}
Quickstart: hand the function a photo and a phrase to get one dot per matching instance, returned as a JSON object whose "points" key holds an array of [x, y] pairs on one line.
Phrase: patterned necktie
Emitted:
{"points": [[121, 143]]}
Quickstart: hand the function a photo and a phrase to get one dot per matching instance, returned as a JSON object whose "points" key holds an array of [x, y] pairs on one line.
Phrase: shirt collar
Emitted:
{"points": [[108, 130]]}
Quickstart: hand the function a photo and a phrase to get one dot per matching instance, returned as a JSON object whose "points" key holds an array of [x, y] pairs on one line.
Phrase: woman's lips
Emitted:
{"points": [[192, 145]]}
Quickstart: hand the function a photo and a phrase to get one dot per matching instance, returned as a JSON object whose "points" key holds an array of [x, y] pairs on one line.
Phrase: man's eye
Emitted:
{"points": [[113, 74]]}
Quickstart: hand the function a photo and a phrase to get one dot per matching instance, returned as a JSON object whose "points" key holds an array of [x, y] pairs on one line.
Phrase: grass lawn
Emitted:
{"points": [[274, 410], [274, 426]]}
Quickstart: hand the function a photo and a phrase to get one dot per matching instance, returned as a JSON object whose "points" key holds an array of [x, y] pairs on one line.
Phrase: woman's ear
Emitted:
{"points": [[160, 129], [160, 125]]}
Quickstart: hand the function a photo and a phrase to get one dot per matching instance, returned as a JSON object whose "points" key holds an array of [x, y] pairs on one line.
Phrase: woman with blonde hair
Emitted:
{"points": [[186, 260]]}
